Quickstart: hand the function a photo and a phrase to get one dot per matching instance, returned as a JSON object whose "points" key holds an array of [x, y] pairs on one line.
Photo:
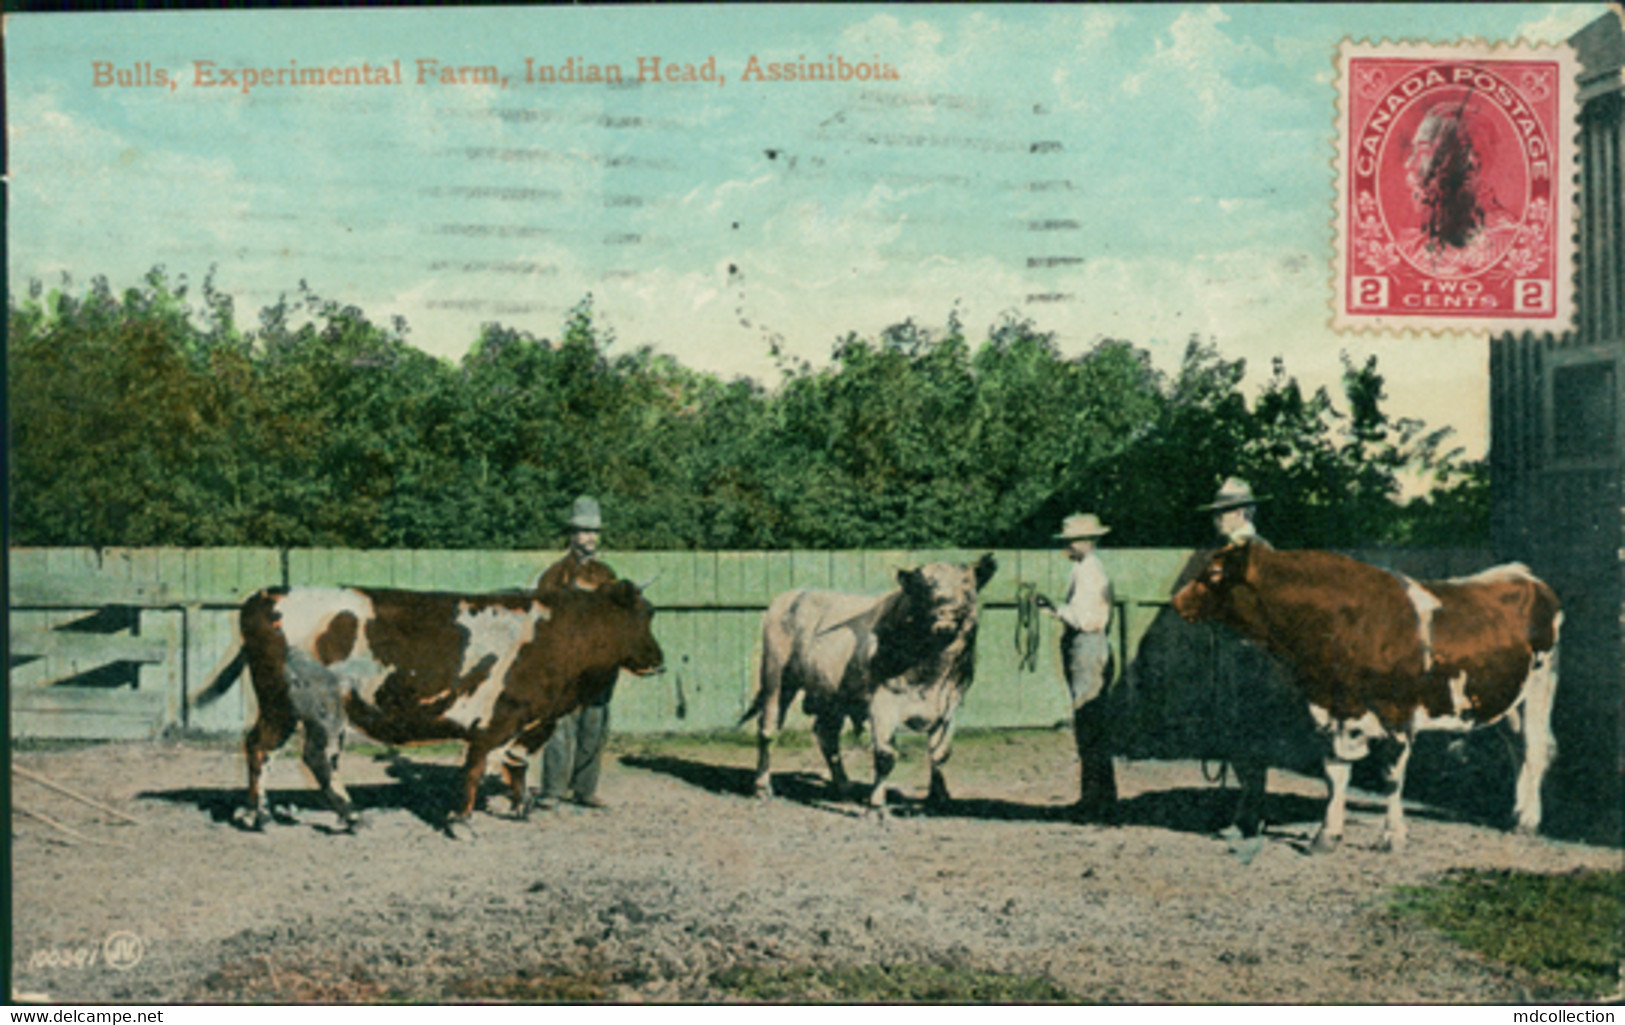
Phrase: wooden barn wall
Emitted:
{"points": [[1560, 506], [1601, 277]]}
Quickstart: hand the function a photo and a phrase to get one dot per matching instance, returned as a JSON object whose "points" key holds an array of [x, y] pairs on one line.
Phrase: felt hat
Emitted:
{"points": [[585, 515], [1234, 493], [1082, 525]]}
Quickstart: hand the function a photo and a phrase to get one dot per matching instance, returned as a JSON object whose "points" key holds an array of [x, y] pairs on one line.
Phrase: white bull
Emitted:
{"points": [[904, 658]]}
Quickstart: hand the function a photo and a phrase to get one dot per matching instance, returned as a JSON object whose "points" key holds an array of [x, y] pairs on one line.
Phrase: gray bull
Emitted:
{"points": [[904, 658]]}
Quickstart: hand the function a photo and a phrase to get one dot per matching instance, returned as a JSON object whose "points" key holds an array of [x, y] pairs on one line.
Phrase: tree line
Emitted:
{"points": [[144, 418]]}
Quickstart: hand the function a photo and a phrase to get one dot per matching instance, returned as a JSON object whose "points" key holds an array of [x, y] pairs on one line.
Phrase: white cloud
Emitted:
{"points": [[720, 193], [1196, 43], [1558, 23], [914, 47], [1196, 59]]}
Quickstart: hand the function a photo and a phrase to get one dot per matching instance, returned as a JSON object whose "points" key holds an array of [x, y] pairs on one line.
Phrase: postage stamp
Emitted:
{"points": [[1455, 187]]}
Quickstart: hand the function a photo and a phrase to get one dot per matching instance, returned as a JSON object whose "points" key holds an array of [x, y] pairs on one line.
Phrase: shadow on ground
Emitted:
{"points": [[430, 792], [1202, 810]]}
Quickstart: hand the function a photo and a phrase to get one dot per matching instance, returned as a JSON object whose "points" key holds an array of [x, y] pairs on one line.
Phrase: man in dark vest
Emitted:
{"points": [[1246, 679], [570, 761]]}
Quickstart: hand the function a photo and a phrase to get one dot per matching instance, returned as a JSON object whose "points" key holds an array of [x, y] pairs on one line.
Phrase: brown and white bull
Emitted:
{"points": [[904, 658], [1380, 655], [409, 667]]}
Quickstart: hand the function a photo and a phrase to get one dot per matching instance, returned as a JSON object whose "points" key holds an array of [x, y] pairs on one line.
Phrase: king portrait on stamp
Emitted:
{"points": [[1455, 196]]}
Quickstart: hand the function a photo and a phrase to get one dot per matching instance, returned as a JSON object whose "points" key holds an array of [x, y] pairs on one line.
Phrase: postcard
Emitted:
{"points": [[508, 504]]}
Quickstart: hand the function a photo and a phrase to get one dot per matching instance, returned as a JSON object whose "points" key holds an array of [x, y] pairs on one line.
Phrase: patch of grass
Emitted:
{"points": [[551, 987], [643, 743], [324, 978], [1561, 931], [371, 749], [886, 984], [21, 745]]}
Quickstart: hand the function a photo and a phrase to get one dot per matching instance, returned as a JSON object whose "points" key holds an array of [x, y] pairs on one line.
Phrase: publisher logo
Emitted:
{"points": [[122, 950]]}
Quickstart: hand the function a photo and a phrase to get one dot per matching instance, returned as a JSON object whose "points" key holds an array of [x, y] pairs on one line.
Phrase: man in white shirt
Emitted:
{"points": [[1085, 615]]}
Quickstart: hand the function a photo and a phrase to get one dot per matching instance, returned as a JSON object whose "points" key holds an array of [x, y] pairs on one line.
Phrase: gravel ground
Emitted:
{"points": [[684, 878]]}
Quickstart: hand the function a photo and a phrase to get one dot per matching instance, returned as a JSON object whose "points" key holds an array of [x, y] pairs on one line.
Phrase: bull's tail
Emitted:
{"points": [[756, 706], [257, 616], [222, 681], [769, 668], [759, 702]]}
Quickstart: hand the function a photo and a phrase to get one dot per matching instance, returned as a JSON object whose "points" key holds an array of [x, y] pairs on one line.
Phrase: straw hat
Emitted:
{"points": [[1082, 525], [1233, 494], [585, 515]]}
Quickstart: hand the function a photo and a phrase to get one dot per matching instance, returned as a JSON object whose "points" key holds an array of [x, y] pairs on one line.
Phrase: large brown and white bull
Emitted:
{"points": [[904, 658], [1380, 655], [409, 667]]}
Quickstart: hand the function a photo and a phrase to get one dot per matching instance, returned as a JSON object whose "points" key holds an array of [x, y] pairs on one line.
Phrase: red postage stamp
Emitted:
{"points": [[1455, 187]]}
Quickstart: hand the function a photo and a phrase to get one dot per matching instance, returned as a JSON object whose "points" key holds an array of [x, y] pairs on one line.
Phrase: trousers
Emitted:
{"points": [[572, 757], [1087, 661]]}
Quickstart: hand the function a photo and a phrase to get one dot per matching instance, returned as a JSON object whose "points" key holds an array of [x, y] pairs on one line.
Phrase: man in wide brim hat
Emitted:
{"points": [[1085, 615], [571, 760], [1234, 493], [1081, 526], [1233, 510], [1243, 675]]}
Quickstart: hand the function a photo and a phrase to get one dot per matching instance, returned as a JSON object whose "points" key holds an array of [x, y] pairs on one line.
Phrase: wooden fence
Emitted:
{"points": [[110, 643]]}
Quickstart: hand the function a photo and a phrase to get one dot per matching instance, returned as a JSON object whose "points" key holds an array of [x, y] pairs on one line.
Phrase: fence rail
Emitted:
{"points": [[111, 643]]}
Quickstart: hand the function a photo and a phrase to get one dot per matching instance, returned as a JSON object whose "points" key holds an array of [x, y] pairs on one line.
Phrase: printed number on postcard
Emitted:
{"points": [[1455, 199]]}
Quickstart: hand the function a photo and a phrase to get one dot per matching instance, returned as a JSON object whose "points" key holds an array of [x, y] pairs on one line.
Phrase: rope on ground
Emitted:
{"points": [[81, 798], [69, 830], [1219, 705], [1027, 633]]}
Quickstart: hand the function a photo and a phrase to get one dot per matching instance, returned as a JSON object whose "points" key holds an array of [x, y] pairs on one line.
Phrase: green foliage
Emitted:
{"points": [[887, 984], [138, 419], [1565, 933]]}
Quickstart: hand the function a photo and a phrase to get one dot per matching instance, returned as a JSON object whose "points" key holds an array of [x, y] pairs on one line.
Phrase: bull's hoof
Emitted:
{"points": [[875, 807], [251, 819], [353, 823], [1391, 843], [1245, 850], [1324, 843], [284, 814], [763, 792], [459, 827], [1248, 825]]}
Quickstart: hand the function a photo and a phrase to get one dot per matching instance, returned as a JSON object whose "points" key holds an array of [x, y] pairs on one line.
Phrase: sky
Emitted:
{"points": [[1141, 172]]}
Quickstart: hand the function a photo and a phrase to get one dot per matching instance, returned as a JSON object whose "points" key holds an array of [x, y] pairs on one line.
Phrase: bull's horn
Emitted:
{"points": [[644, 585]]}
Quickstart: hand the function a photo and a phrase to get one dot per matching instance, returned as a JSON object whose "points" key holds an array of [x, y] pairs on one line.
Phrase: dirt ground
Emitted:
{"points": [[684, 878]]}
